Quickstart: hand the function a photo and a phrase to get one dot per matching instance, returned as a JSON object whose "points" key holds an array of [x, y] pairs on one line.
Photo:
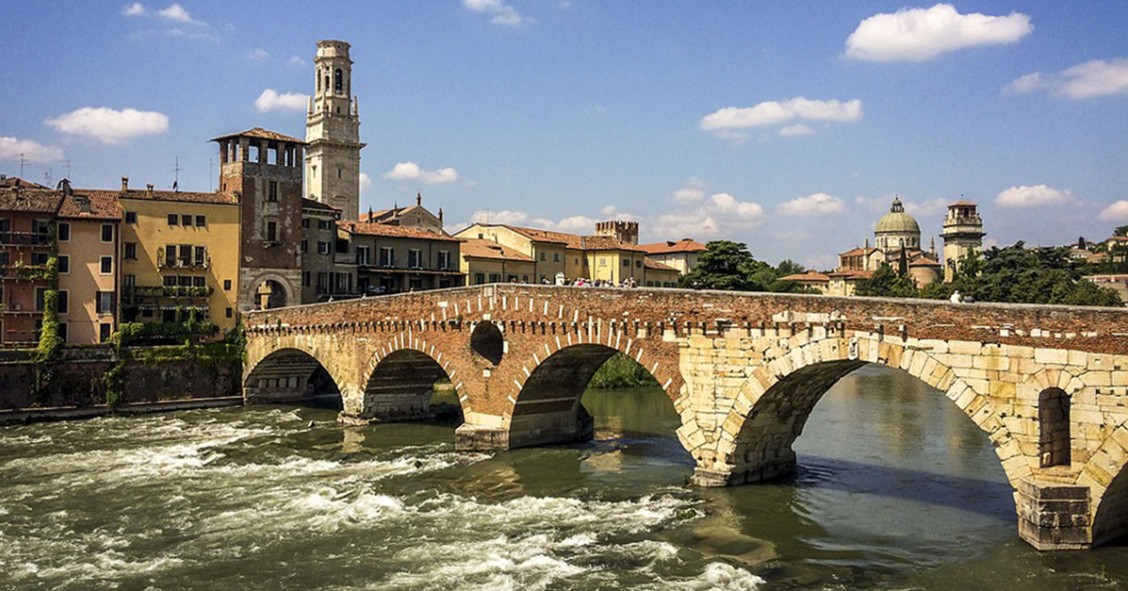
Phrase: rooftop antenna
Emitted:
{"points": [[23, 162], [176, 176], [211, 182], [47, 177], [66, 164]]}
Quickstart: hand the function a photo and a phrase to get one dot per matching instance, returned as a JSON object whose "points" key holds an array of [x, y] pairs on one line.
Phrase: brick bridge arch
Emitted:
{"points": [[744, 369]]}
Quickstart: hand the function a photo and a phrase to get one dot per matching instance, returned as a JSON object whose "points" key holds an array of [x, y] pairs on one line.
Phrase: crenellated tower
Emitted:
{"points": [[332, 166], [963, 234]]}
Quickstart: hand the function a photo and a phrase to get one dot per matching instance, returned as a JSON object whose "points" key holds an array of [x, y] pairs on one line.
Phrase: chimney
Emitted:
{"points": [[124, 184], [149, 191], [419, 198]]}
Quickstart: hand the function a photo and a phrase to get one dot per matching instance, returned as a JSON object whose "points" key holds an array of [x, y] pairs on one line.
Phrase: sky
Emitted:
{"points": [[788, 126]]}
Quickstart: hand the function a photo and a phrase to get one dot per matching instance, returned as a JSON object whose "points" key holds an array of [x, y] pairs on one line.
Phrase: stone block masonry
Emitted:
{"points": [[743, 372]]}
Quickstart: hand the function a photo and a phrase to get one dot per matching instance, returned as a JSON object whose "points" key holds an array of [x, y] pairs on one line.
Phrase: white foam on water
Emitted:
{"points": [[717, 576]]}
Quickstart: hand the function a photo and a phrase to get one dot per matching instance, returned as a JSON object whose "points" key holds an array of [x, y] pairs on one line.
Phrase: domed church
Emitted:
{"points": [[896, 233]]}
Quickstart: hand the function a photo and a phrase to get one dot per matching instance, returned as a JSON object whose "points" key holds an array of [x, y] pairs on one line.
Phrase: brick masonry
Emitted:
{"points": [[742, 370]]}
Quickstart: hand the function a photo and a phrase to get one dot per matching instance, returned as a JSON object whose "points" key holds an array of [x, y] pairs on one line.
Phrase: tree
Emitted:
{"points": [[726, 265], [887, 283], [1120, 231]]}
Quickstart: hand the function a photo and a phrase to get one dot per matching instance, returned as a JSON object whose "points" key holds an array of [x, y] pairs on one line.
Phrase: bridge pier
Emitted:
{"points": [[1054, 516], [527, 430]]}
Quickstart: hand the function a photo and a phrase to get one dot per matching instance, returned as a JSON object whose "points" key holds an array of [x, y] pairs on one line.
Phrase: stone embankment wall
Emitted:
{"points": [[76, 384]]}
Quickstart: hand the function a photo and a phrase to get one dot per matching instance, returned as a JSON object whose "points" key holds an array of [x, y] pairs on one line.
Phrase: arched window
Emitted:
{"points": [[318, 76], [338, 81], [1053, 428]]}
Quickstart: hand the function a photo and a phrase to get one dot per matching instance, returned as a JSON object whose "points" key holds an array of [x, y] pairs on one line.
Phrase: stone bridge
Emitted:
{"points": [[1048, 385]]}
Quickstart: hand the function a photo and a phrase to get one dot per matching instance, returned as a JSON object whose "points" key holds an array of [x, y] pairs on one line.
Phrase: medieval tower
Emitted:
{"points": [[962, 234], [332, 165]]}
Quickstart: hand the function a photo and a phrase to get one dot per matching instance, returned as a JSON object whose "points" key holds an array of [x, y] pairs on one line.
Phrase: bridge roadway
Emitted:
{"points": [[1047, 384]]}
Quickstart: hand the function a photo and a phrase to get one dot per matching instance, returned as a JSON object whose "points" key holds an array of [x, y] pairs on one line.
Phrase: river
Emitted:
{"points": [[896, 490]]}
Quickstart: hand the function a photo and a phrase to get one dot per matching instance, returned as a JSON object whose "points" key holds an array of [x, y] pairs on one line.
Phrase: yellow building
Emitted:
{"points": [[681, 254], [180, 253], [485, 261], [89, 288]]}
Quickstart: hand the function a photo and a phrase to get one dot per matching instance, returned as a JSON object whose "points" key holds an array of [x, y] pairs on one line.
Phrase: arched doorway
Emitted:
{"points": [[270, 294]]}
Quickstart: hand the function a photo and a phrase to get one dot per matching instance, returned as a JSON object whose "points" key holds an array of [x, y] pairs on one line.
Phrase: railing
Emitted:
{"points": [[20, 270], [33, 238], [178, 263], [167, 291]]}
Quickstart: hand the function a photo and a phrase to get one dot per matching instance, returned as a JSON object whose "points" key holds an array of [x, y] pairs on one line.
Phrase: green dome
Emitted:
{"points": [[897, 221]]}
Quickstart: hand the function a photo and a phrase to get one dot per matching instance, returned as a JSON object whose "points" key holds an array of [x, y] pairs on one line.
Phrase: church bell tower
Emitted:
{"points": [[333, 132]]}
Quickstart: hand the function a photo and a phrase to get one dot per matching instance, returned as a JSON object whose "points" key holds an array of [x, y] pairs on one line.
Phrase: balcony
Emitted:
{"points": [[21, 270], [178, 263], [25, 238], [150, 292]]}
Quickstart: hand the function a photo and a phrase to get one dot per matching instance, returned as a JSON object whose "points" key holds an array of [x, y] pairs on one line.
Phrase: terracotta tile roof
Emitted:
{"points": [[101, 205], [850, 275], [960, 202], [809, 276], [924, 261], [488, 249], [10, 182], [857, 251], [144, 195], [376, 229], [262, 134], [650, 263], [312, 204], [40, 200], [669, 246]]}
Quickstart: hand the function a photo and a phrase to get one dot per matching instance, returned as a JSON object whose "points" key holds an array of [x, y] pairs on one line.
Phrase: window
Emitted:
{"points": [[226, 285], [272, 191], [131, 217], [185, 220], [305, 278], [41, 229], [638, 264], [184, 257], [64, 232], [201, 221], [556, 257], [130, 251], [107, 232], [63, 331], [107, 265], [230, 313], [173, 219], [305, 222], [64, 263], [199, 281], [129, 281], [170, 255], [169, 281], [40, 298], [272, 231], [63, 302], [104, 331], [338, 81], [5, 260], [387, 256], [323, 224], [602, 261], [479, 278], [305, 246], [39, 258], [363, 255], [414, 258], [200, 256], [495, 277], [444, 260], [324, 247], [544, 256], [626, 262]]}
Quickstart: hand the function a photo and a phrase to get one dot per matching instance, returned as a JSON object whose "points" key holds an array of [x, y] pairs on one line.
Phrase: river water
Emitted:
{"points": [[896, 490]]}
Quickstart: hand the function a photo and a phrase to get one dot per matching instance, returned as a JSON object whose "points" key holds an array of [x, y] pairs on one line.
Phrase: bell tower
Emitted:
{"points": [[963, 234], [333, 132]]}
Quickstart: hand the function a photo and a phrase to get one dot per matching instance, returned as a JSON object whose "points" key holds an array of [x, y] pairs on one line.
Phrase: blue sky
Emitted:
{"points": [[789, 126]]}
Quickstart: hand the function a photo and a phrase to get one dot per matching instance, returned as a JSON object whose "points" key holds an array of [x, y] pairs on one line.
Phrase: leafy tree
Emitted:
{"points": [[1120, 231], [1037, 276], [888, 283], [725, 265]]}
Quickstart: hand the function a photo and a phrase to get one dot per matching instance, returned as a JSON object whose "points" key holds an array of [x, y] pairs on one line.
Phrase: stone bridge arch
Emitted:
{"points": [[287, 369], [771, 408], [397, 380]]}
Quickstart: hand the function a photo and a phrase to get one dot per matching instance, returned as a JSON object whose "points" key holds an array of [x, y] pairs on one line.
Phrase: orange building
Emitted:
{"points": [[89, 241], [27, 213]]}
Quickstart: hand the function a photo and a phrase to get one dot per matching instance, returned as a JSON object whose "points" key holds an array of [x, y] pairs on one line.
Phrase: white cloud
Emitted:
{"points": [[135, 9], [812, 205], [1088, 80], [920, 34], [295, 61], [780, 112], [502, 13], [576, 224], [365, 182], [1035, 196], [110, 126], [1115, 213], [795, 130], [514, 218], [405, 171], [271, 100], [934, 206], [258, 55], [14, 148], [692, 191], [177, 13], [721, 215]]}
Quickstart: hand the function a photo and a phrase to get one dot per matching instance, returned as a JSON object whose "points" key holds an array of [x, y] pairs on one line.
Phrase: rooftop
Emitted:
{"points": [[377, 229], [670, 246], [488, 249], [262, 134], [102, 205]]}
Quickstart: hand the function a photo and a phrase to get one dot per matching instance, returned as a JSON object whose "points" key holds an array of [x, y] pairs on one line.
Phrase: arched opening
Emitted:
{"points": [[291, 376], [880, 460], [409, 385], [270, 294], [1110, 521], [1053, 428], [338, 81], [488, 342]]}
